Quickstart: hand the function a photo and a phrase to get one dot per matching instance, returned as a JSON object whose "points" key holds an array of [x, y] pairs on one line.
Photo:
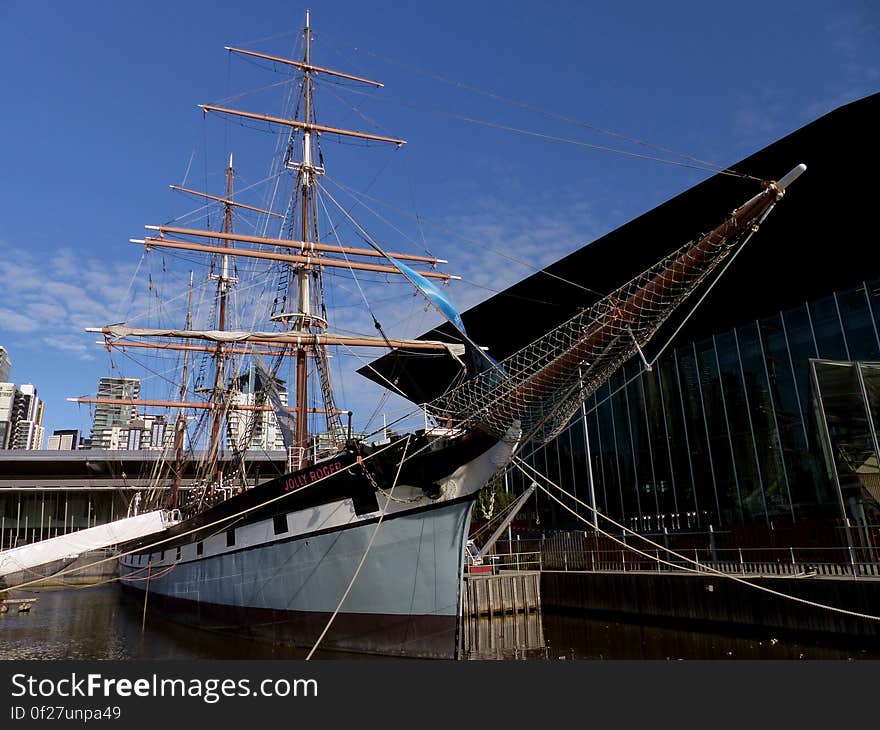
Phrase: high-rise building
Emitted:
{"points": [[21, 416], [7, 399], [28, 435], [5, 365], [109, 416], [254, 430], [144, 432], [64, 440]]}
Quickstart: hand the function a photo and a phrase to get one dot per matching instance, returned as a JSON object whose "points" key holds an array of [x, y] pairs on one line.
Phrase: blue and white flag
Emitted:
{"points": [[478, 358], [434, 295]]}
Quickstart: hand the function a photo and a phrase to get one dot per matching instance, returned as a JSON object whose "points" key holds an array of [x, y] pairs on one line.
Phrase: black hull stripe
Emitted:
{"points": [[421, 636], [344, 484]]}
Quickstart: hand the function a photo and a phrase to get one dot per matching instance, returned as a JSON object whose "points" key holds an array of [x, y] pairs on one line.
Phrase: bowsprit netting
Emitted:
{"points": [[543, 384]]}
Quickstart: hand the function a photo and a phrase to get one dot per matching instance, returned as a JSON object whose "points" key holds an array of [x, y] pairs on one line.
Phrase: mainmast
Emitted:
{"points": [[304, 332], [303, 320]]}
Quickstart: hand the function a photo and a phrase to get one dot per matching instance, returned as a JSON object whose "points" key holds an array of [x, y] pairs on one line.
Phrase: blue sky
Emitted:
{"points": [[99, 117]]}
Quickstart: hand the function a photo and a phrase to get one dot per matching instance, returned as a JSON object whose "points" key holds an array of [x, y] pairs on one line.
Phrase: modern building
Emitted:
{"points": [[754, 429], [27, 414], [64, 440], [252, 429], [21, 417], [758, 420], [7, 399], [111, 419], [143, 432], [49, 493], [5, 365]]}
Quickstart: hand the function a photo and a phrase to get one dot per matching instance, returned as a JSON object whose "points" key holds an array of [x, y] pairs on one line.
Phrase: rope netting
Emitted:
{"points": [[546, 382]]}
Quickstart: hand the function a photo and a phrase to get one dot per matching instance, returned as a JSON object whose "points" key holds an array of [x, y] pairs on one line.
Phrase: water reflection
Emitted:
{"points": [[98, 623], [579, 637], [512, 636]]}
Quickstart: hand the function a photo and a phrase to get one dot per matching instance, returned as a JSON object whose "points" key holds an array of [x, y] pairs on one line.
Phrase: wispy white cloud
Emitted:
{"points": [[61, 292], [761, 114], [16, 322], [492, 242], [56, 295], [849, 70]]}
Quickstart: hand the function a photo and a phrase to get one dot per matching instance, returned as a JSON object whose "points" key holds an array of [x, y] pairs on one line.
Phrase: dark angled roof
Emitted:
{"points": [[818, 239]]}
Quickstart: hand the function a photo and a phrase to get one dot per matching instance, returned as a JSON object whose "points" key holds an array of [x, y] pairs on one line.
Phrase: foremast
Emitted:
{"points": [[180, 422], [219, 391], [306, 286]]}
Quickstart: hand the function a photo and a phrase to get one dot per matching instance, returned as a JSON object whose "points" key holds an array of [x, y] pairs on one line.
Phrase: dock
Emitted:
{"points": [[505, 592], [24, 604]]}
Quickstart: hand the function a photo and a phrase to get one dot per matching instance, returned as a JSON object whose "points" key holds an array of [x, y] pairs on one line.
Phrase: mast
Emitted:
{"points": [[223, 279], [180, 424], [303, 330], [303, 323]]}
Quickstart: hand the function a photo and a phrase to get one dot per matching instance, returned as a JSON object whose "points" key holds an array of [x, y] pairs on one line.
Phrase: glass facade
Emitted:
{"points": [[847, 404], [729, 430]]}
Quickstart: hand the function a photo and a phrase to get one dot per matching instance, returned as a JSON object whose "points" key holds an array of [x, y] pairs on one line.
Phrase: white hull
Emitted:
{"points": [[286, 585]]}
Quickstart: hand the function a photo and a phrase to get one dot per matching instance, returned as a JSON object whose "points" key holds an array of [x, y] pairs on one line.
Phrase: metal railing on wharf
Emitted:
{"points": [[574, 552]]}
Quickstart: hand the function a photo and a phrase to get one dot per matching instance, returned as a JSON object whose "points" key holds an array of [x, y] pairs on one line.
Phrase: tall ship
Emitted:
{"points": [[359, 545]]}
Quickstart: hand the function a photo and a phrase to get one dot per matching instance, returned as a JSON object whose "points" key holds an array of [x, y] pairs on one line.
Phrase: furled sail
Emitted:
{"points": [[115, 335]]}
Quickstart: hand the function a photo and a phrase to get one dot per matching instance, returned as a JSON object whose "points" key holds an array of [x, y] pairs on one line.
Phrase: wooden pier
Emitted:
{"points": [[506, 592]]}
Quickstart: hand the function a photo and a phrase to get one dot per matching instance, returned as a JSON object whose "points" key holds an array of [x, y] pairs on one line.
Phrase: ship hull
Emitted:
{"points": [[384, 573], [404, 601]]}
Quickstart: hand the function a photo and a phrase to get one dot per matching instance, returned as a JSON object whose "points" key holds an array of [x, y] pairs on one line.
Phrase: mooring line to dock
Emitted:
{"points": [[146, 593], [221, 521], [74, 586], [366, 552], [701, 568]]}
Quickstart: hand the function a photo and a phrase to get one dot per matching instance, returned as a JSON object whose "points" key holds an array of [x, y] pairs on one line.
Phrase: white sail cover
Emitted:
{"points": [[122, 331], [28, 557]]}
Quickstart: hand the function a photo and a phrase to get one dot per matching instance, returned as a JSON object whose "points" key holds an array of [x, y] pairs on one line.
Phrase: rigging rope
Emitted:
{"points": [[701, 567], [547, 113], [537, 270], [564, 140]]}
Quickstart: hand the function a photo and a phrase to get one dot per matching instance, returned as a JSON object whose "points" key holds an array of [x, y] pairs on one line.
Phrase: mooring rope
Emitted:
{"points": [[701, 567], [222, 520], [357, 572]]}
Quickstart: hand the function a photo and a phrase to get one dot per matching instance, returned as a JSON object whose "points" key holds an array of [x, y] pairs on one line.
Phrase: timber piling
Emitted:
{"points": [[507, 592]]}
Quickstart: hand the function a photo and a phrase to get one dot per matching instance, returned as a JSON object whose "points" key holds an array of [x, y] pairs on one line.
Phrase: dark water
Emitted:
{"points": [[98, 623], [552, 636]]}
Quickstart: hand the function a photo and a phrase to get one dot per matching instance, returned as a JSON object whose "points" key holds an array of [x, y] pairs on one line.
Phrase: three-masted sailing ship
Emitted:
{"points": [[360, 544]]}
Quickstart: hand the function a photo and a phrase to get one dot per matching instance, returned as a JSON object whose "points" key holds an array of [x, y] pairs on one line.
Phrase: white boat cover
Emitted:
{"points": [[28, 557]]}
